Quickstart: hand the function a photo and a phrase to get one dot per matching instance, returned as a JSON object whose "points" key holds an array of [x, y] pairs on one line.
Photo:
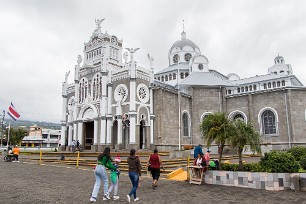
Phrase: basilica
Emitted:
{"points": [[115, 102]]}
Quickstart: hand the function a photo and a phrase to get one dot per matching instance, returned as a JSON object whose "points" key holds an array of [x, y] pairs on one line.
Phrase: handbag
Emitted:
{"points": [[149, 168]]}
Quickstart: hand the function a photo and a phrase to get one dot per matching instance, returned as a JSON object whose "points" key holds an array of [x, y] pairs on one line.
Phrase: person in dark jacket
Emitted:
{"points": [[198, 150], [134, 173], [155, 163]]}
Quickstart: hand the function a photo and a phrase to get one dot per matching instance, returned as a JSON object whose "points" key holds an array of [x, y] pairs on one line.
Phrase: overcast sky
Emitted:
{"points": [[41, 39]]}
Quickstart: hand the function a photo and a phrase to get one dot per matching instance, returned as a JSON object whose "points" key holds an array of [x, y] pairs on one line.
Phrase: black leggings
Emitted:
{"points": [[155, 173]]}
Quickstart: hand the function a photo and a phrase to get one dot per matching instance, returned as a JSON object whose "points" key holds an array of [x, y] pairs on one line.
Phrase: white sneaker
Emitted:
{"points": [[115, 197], [92, 200], [128, 198], [136, 199], [106, 197]]}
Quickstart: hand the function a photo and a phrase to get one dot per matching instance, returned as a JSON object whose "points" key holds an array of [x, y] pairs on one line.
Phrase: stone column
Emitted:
{"points": [[119, 120], [95, 131], [104, 103], [151, 118], [80, 132], [64, 120], [70, 136]]}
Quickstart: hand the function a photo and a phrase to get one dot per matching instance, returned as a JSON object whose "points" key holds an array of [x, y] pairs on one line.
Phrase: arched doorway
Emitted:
{"points": [[142, 135], [115, 134], [89, 135]]}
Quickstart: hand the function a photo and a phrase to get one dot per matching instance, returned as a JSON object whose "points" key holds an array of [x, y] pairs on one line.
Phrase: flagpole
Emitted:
{"points": [[8, 135]]}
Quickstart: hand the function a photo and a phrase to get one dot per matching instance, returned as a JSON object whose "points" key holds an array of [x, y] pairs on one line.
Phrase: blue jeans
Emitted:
{"points": [[100, 174], [134, 177]]}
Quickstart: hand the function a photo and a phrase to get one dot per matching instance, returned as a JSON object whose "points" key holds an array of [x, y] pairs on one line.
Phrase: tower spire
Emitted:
{"points": [[183, 34]]}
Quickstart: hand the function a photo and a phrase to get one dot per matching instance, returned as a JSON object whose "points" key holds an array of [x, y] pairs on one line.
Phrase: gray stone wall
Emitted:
{"points": [[203, 100]]}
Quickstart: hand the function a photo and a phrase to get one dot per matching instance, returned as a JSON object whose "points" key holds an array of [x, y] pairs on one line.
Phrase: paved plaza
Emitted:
{"points": [[28, 182]]}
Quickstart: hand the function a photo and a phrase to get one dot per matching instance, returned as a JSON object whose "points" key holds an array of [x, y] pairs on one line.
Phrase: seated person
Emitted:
{"points": [[199, 161]]}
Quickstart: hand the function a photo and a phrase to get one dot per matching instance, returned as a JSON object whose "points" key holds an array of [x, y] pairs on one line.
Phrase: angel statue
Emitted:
{"points": [[132, 51], [125, 57], [66, 76], [98, 22], [151, 59], [79, 60]]}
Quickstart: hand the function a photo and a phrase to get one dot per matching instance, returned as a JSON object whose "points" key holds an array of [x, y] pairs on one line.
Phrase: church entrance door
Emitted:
{"points": [[89, 135], [115, 134], [142, 135]]}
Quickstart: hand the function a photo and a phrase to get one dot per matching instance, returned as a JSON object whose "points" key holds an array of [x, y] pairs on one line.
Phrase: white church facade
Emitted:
{"points": [[114, 102]]}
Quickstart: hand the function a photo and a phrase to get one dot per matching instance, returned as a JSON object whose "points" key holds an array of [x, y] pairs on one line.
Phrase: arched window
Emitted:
{"points": [[229, 92], [170, 77], [166, 78], [242, 89], [238, 90], [158, 78], [278, 84], [182, 75], [283, 83], [250, 88], [265, 86], [268, 122], [174, 76], [163, 78], [274, 84], [185, 125], [246, 89], [237, 115], [186, 74], [269, 85], [254, 87]]}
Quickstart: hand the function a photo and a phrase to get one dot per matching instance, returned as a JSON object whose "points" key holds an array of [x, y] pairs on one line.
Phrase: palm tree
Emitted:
{"points": [[244, 135], [216, 128]]}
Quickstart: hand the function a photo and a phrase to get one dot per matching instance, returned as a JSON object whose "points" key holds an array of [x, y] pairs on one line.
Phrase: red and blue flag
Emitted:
{"points": [[13, 112]]}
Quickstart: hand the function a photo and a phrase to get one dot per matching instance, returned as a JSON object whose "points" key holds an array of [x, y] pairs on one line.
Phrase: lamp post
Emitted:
{"points": [[179, 102]]}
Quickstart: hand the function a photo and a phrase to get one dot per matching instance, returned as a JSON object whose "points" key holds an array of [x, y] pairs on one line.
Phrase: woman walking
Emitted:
{"points": [[155, 163], [134, 174], [104, 161]]}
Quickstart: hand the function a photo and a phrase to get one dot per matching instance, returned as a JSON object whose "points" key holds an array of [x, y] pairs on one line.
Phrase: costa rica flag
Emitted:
{"points": [[12, 112]]}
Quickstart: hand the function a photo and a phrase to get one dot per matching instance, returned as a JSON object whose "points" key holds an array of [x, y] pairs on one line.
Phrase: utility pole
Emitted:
{"points": [[2, 126]]}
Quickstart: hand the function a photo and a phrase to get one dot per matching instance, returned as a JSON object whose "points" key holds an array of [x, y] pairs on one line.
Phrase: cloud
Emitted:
{"points": [[40, 40]]}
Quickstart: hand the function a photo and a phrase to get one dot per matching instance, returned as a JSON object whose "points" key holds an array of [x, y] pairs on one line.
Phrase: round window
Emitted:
{"points": [[175, 58], [187, 57]]}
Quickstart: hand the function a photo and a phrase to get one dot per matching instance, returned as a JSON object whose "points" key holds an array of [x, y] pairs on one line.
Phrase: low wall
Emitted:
{"points": [[256, 180]]}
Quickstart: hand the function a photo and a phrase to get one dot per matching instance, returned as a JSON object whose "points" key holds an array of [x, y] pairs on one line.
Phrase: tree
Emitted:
{"points": [[16, 135], [216, 128], [244, 134]]}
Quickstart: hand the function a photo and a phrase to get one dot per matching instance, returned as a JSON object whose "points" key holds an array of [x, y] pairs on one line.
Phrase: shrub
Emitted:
{"points": [[303, 162], [252, 167], [297, 152], [279, 162], [229, 167]]}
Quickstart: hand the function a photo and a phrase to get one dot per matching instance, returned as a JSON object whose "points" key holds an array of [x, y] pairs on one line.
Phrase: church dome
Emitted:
{"points": [[279, 60], [184, 43]]}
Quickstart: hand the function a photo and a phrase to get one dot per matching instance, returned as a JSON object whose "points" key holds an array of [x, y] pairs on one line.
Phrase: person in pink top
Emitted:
{"points": [[207, 157]]}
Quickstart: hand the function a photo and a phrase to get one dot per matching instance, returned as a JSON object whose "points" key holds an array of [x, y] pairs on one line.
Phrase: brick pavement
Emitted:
{"points": [[27, 182]]}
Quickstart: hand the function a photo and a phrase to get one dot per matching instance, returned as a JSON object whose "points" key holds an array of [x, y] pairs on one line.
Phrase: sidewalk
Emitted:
{"points": [[27, 182]]}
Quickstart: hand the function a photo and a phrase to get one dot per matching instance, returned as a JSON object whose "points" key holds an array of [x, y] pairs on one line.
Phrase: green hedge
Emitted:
{"points": [[279, 162], [252, 167], [297, 152], [303, 162]]}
